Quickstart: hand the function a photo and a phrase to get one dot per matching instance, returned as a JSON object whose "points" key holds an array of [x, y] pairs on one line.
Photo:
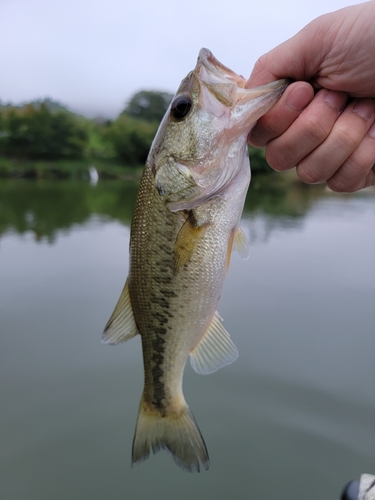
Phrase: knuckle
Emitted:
{"points": [[347, 138], [349, 177], [340, 185], [316, 130], [277, 160], [308, 173]]}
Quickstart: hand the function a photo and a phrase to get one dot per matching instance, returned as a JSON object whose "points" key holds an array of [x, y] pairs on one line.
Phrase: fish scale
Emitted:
{"points": [[185, 223]]}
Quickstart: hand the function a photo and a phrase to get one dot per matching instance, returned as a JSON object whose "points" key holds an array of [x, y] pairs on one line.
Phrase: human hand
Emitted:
{"points": [[327, 136]]}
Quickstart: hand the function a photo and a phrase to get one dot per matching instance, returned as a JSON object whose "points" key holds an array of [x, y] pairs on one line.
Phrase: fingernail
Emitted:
{"points": [[299, 98], [364, 108], [334, 99], [371, 131]]}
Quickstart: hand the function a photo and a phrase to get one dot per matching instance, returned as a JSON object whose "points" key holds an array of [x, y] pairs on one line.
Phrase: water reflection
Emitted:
{"points": [[292, 418], [44, 208]]}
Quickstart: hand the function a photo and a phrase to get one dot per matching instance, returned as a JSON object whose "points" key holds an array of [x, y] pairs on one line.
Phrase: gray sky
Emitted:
{"points": [[92, 55]]}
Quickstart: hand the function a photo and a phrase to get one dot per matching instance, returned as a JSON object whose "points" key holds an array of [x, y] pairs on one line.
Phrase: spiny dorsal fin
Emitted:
{"points": [[121, 325], [241, 245], [187, 239], [215, 349]]}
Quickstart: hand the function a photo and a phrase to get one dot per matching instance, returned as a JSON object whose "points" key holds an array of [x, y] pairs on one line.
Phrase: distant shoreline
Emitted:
{"points": [[14, 168], [107, 168]]}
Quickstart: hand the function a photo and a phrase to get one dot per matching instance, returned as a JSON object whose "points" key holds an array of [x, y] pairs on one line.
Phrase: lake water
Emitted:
{"points": [[293, 418]]}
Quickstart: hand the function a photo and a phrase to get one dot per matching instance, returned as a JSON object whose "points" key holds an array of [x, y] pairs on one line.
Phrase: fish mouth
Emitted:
{"points": [[229, 88], [225, 112], [215, 67]]}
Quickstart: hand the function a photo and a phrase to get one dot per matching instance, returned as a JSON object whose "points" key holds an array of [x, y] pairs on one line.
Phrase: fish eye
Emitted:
{"points": [[180, 107]]}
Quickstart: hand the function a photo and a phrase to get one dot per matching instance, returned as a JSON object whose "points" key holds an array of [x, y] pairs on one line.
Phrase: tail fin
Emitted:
{"points": [[177, 433]]}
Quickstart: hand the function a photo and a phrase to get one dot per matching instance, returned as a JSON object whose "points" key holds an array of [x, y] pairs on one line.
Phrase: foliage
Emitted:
{"points": [[258, 161], [50, 103], [99, 145], [108, 168], [148, 105], [131, 139], [40, 133]]}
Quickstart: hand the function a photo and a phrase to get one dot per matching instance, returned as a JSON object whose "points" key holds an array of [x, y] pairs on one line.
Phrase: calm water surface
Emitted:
{"points": [[293, 418]]}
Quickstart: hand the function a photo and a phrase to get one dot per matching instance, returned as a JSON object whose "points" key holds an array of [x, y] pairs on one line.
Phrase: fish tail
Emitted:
{"points": [[178, 433]]}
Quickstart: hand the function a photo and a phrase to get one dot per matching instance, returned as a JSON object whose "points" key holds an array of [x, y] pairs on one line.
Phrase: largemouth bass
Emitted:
{"points": [[185, 224]]}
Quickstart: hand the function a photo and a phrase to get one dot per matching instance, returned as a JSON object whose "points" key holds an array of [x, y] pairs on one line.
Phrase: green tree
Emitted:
{"points": [[258, 161], [131, 138], [3, 133], [148, 105], [41, 134]]}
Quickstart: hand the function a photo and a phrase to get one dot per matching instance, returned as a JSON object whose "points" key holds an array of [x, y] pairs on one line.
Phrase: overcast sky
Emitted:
{"points": [[92, 55]]}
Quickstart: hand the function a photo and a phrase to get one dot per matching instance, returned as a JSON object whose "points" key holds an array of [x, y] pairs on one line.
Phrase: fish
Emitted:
{"points": [[185, 224]]}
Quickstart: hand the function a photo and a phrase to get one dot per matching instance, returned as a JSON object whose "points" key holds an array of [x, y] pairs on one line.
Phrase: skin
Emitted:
{"points": [[324, 123]]}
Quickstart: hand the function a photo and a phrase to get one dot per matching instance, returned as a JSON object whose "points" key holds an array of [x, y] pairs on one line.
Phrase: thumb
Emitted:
{"points": [[298, 58]]}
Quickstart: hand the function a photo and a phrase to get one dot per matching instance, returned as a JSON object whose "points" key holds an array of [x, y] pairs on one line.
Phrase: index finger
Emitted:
{"points": [[273, 124]]}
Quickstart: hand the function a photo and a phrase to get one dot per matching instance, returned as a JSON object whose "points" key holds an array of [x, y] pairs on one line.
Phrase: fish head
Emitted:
{"points": [[201, 142]]}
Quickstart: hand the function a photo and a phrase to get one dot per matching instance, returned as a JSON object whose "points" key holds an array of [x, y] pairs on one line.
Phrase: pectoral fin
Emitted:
{"points": [[121, 325], [187, 239], [215, 349], [239, 242], [241, 245]]}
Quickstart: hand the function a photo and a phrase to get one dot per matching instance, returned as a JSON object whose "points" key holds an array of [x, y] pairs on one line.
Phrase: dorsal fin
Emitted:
{"points": [[121, 325], [214, 350]]}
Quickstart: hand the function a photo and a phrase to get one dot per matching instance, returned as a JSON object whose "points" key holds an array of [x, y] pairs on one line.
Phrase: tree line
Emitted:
{"points": [[37, 132]]}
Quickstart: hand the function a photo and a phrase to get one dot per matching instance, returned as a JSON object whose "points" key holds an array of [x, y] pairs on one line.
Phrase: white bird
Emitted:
{"points": [[94, 176]]}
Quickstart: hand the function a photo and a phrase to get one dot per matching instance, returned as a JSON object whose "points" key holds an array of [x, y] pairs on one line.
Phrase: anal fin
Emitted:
{"points": [[214, 350], [121, 325]]}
